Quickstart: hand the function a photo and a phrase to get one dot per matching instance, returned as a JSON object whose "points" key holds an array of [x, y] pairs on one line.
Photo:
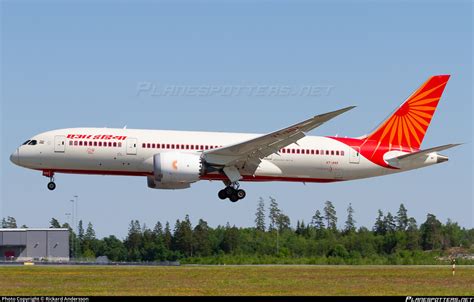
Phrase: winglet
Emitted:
{"points": [[336, 112], [322, 118]]}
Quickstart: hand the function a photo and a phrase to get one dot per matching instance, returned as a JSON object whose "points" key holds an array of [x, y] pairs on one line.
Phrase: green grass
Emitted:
{"points": [[236, 280]]}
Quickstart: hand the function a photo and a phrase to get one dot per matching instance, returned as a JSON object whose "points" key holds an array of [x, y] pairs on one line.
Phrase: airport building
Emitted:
{"points": [[34, 244]]}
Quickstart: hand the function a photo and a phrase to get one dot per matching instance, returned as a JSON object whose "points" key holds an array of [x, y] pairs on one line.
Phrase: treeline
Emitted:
{"points": [[393, 239]]}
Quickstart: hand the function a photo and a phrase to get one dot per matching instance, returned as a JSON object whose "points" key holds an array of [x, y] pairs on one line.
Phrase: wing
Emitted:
{"points": [[247, 155]]}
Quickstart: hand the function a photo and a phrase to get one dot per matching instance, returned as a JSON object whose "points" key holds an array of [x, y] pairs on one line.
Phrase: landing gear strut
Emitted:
{"points": [[232, 192], [51, 185]]}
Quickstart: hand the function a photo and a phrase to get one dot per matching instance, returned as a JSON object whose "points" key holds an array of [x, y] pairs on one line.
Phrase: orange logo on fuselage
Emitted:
{"points": [[174, 164]]}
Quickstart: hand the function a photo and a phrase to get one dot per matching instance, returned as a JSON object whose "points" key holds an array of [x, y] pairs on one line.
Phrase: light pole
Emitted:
{"points": [[73, 227], [68, 218], [76, 203], [76, 197]]}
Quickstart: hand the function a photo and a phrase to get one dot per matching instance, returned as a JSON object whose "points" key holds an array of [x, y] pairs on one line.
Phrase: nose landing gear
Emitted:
{"points": [[232, 192], [51, 185]]}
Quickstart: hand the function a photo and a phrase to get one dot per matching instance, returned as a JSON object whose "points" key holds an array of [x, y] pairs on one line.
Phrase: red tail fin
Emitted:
{"points": [[407, 126]]}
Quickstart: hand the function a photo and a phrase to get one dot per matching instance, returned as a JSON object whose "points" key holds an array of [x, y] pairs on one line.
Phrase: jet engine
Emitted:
{"points": [[174, 170]]}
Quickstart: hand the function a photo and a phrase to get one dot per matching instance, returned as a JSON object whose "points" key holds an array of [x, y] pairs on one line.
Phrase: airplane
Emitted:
{"points": [[177, 159]]}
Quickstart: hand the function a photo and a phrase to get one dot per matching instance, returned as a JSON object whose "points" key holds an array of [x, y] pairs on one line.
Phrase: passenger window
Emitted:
{"points": [[317, 152], [337, 152], [110, 144], [153, 146], [70, 143], [115, 144], [167, 146], [342, 153], [95, 144], [148, 145], [332, 152], [312, 151], [80, 143]]}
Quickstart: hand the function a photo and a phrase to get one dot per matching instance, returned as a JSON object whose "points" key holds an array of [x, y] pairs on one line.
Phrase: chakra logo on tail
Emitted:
{"points": [[406, 128]]}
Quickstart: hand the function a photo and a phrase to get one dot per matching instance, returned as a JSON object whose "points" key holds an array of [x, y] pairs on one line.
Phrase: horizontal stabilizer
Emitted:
{"points": [[426, 151], [422, 154]]}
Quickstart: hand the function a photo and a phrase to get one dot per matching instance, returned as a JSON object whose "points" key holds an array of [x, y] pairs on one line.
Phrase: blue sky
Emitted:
{"points": [[75, 64]]}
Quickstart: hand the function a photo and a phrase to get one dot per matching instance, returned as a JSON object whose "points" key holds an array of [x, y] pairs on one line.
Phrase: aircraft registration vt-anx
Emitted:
{"points": [[176, 159]]}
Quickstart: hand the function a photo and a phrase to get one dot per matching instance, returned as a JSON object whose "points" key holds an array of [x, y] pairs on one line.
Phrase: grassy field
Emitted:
{"points": [[236, 280]]}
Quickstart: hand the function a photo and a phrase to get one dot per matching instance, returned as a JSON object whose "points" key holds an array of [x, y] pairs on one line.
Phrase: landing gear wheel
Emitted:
{"points": [[232, 192], [229, 191], [51, 185], [241, 194], [222, 194]]}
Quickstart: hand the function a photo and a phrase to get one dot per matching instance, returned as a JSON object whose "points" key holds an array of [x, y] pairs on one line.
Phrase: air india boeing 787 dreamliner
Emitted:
{"points": [[176, 159]]}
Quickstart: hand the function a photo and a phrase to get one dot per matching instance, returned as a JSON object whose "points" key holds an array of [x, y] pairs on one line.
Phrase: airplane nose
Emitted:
{"points": [[14, 158]]}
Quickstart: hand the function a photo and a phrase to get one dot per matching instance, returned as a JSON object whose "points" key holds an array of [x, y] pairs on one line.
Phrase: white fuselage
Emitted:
{"points": [[130, 152]]}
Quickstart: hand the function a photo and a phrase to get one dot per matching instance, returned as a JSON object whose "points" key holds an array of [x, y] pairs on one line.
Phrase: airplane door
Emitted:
{"points": [[354, 157], [131, 146], [59, 143]]}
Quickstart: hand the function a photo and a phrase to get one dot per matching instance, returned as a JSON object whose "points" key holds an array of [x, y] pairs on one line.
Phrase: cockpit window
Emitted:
{"points": [[25, 143], [33, 142]]}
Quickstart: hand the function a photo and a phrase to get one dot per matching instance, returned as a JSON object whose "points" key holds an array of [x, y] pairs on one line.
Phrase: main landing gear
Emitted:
{"points": [[232, 192], [51, 185]]}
